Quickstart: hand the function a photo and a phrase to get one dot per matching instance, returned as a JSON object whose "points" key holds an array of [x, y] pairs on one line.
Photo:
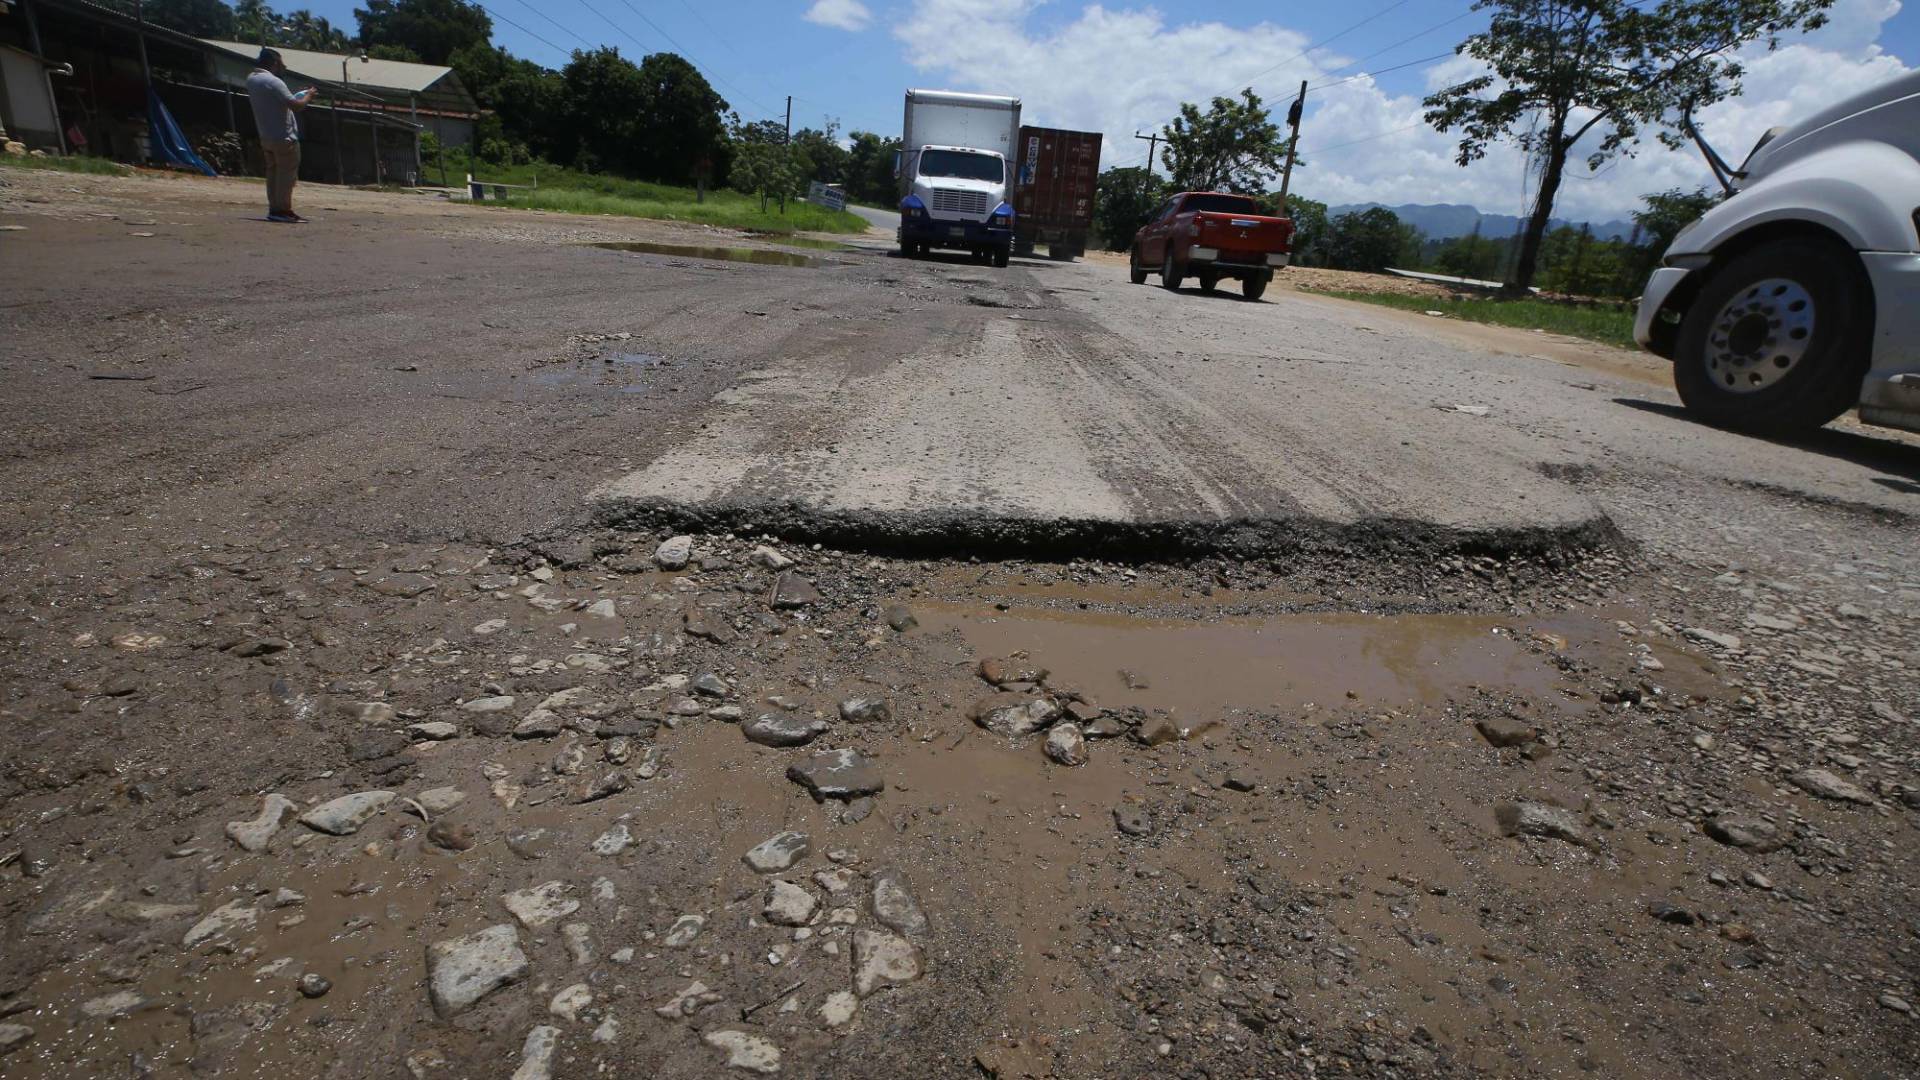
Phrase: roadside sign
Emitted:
{"points": [[831, 196]]}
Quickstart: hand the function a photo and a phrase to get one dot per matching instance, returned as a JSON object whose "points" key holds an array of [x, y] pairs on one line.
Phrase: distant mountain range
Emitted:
{"points": [[1439, 221]]}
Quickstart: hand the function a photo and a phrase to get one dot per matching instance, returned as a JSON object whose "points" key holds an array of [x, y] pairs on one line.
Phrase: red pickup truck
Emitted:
{"points": [[1211, 236]]}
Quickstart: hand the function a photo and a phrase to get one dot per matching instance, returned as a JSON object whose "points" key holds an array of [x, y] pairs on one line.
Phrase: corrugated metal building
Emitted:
{"points": [[91, 64]]}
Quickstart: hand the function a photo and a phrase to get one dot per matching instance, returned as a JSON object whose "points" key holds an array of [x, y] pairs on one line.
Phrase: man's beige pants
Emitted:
{"points": [[283, 166]]}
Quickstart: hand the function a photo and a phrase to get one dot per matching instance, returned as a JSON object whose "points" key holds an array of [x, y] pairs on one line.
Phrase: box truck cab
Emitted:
{"points": [[954, 175]]}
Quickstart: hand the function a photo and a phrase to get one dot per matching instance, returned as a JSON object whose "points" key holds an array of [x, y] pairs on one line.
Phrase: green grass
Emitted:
{"points": [[1605, 324], [90, 165], [567, 192]]}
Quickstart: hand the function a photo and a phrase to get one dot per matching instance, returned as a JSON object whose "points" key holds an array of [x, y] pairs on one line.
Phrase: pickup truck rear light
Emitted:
{"points": [[1193, 228]]}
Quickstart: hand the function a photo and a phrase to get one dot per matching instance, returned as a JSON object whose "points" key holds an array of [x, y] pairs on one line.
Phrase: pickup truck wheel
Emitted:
{"points": [[1777, 340], [1254, 287], [1135, 272], [1170, 275]]}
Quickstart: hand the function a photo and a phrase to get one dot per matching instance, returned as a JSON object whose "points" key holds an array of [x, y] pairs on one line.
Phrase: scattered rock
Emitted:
{"points": [[313, 985], [117, 1005], [257, 833], [1747, 833], [1829, 786], [900, 618], [536, 1054], [13, 1035], [768, 558], [567, 1003], [344, 816], [1239, 782], [1066, 745], [792, 591], [1539, 819], [1669, 912], [1013, 669], [895, 907], [451, 836], [711, 685], [866, 710], [541, 904], [777, 852], [1726, 642], [603, 608], [614, 841], [744, 1050], [222, 921], [789, 904], [882, 959], [838, 1010], [463, 970], [783, 729], [493, 704], [837, 774], [1896, 1003], [696, 996], [440, 800], [260, 647], [1157, 730], [673, 553], [578, 939], [683, 931], [1131, 820], [1013, 716], [587, 789], [1505, 731], [432, 731]]}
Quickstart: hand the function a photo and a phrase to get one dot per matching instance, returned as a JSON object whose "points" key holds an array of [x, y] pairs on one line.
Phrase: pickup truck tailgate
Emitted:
{"points": [[1242, 237]]}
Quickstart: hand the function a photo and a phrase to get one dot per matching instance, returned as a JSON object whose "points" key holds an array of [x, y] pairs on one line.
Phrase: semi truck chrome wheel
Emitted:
{"points": [[1760, 335], [1778, 338]]}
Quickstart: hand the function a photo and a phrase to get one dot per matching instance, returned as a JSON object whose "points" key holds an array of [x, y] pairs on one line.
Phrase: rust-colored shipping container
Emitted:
{"points": [[1053, 191]]}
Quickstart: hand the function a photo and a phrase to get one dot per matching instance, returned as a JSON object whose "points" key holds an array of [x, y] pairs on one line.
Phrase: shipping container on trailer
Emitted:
{"points": [[1054, 188]]}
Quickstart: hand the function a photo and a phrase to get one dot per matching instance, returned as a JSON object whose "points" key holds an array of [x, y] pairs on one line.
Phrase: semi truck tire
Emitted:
{"points": [[1000, 256], [1778, 339]]}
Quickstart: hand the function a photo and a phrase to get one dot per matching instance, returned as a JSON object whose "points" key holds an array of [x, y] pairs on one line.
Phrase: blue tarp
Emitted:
{"points": [[166, 142]]}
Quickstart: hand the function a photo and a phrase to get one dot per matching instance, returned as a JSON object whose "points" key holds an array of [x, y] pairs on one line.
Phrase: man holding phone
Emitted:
{"points": [[275, 116]]}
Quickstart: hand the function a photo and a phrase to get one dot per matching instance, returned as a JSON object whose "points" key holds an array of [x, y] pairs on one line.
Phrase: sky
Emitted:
{"points": [[1123, 67]]}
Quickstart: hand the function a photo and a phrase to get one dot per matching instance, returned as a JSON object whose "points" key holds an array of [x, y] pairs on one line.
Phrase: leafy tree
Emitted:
{"points": [[602, 98], [302, 29], [1666, 213], [201, 18], [390, 51], [433, 29], [826, 159], [1123, 200], [1370, 240], [680, 123], [1471, 256], [523, 98], [1561, 69], [1233, 146], [869, 176]]}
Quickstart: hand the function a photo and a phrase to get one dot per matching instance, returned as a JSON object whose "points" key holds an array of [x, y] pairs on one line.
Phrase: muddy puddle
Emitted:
{"points": [[617, 372], [1199, 668], [813, 242], [757, 256]]}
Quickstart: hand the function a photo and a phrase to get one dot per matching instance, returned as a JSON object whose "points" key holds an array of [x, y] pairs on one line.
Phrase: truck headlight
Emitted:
{"points": [[1002, 217]]}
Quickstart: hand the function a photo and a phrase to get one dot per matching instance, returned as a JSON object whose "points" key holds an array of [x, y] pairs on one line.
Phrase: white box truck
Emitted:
{"points": [[956, 169]]}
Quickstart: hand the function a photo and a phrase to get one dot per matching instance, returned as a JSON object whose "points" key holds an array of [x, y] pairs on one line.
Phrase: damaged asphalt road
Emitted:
{"points": [[463, 651]]}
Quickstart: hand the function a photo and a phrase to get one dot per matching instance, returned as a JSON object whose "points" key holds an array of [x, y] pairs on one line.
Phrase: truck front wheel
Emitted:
{"points": [[1170, 273], [1777, 340], [1000, 256]]}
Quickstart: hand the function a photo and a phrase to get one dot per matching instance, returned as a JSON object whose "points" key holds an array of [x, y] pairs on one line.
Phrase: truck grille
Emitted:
{"points": [[962, 202]]}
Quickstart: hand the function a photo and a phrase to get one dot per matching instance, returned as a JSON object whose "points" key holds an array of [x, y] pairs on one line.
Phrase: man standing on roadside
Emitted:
{"points": [[274, 116]]}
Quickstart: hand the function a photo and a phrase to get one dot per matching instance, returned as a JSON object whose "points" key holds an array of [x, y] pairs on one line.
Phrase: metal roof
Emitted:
{"points": [[437, 87]]}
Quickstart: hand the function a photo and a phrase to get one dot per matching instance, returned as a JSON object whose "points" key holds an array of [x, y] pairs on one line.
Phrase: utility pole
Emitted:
{"points": [[788, 147], [1153, 143], [1293, 142]]}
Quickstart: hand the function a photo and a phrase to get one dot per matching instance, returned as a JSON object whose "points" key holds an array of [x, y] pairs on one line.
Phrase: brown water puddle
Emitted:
{"points": [[1201, 666], [757, 256]]}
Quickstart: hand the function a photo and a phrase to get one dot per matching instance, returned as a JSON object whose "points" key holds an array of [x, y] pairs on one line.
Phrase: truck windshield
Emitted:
{"points": [[1220, 204], [961, 165]]}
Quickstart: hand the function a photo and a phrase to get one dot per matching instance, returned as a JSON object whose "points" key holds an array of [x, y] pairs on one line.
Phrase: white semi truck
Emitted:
{"points": [[956, 172]]}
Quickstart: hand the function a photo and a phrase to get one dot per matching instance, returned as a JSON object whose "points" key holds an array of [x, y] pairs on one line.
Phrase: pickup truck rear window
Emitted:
{"points": [[1220, 204], [962, 165]]}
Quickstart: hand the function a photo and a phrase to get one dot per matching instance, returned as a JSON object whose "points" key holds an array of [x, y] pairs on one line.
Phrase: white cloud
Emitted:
{"points": [[1122, 70], [849, 15]]}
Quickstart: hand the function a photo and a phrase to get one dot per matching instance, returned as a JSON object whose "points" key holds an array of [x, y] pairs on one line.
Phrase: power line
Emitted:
{"points": [[556, 23], [1382, 71], [496, 15], [1249, 81], [688, 53]]}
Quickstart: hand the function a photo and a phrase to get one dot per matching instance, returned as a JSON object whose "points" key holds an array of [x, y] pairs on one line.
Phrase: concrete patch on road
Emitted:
{"points": [[1058, 436]]}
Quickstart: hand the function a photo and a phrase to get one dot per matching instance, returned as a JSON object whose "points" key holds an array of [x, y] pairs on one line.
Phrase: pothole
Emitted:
{"points": [[757, 256]]}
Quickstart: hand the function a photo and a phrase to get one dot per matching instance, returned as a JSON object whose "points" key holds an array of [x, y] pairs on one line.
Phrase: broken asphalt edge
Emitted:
{"points": [[963, 534]]}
